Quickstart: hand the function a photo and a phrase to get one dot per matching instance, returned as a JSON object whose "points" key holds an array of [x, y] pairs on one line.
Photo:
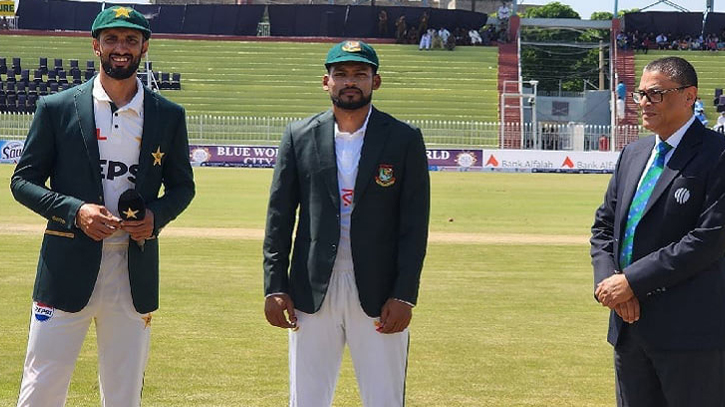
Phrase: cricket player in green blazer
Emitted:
{"points": [[93, 143], [354, 181]]}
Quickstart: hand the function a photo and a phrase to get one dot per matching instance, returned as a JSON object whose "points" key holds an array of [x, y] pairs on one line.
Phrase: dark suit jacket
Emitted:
{"points": [[678, 265], [389, 224], [61, 145]]}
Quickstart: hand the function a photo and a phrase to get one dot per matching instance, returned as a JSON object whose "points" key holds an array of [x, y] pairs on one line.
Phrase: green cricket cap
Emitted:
{"points": [[352, 51], [120, 17]]}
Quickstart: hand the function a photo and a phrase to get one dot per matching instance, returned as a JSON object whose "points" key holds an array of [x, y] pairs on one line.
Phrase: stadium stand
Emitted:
{"points": [[20, 94], [282, 79]]}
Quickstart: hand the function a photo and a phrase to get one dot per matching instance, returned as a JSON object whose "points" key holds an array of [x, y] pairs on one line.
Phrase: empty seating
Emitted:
{"points": [[43, 66], [176, 81], [165, 81], [62, 77], [20, 92], [16, 65]]}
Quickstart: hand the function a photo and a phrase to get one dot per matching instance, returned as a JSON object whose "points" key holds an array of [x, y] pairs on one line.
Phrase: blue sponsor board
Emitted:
{"points": [[10, 151]]}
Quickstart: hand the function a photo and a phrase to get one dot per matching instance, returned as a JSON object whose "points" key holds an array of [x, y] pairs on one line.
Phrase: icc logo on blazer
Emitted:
{"points": [[682, 195]]}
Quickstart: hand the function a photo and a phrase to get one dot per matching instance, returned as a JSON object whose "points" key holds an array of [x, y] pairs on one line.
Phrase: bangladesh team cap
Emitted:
{"points": [[120, 17], [352, 51]]}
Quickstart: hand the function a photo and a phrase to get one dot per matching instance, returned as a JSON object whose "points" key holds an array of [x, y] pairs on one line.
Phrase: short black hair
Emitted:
{"points": [[676, 68]]}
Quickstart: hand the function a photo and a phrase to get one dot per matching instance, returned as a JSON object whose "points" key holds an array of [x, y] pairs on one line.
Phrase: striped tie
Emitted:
{"points": [[640, 202]]}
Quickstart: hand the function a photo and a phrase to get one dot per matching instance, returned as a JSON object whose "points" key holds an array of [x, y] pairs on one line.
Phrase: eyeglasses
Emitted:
{"points": [[654, 95]]}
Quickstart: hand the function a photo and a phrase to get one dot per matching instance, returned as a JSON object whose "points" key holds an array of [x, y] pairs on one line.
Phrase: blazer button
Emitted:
{"points": [[334, 247]]}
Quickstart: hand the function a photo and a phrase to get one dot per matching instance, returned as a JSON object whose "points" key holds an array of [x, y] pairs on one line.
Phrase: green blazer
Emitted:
{"points": [[389, 222], [62, 146]]}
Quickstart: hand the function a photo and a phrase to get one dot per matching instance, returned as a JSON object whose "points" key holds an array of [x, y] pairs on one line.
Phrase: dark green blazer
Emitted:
{"points": [[389, 222], [62, 146]]}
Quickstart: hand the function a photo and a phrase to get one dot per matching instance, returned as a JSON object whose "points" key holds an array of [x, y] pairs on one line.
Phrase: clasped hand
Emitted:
{"points": [[614, 292], [98, 223]]}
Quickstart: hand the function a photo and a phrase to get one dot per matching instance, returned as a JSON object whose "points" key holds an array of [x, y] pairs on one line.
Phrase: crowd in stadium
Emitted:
{"points": [[666, 41], [430, 38]]}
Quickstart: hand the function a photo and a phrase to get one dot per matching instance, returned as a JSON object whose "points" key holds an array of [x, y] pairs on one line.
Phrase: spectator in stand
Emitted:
{"points": [[621, 95], [622, 41], [662, 41], [699, 105], [4, 24], [450, 43], [413, 35], [400, 30], [720, 126], [475, 37], [437, 41], [712, 43], [383, 24], [425, 40], [444, 34], [461, 36], [700, 114], [645, 44], [684, 44], [423, 24], [504, 13]]}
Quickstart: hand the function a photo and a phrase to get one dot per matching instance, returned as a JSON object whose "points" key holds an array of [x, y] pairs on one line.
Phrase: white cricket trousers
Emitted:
{"points": [[315, 351], [123, 337]]}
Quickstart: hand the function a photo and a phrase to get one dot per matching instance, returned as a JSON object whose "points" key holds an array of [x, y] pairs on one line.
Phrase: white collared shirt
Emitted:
{"points": [[348, 147], [674, 140], [119, 145]]}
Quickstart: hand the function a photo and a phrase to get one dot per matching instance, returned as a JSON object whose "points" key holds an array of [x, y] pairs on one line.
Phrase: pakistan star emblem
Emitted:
{"points": [[122, 12], [158, 155], [130, 213]]}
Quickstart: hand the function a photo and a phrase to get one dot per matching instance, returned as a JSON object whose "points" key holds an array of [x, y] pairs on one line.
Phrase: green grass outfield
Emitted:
{"points": [[505, 317], [238, 78], [709, 69]]}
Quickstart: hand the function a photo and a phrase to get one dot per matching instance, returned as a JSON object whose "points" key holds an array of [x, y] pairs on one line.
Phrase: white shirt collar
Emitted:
{"points": [[357, 133], [136, 104], [676, 137]]}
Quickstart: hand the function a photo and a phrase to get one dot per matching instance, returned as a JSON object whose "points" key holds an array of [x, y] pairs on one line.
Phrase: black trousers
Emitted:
{"points": [[646, 377]]}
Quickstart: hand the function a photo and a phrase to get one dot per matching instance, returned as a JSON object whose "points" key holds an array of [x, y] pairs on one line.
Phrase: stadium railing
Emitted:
{"points": [[209, 129]]}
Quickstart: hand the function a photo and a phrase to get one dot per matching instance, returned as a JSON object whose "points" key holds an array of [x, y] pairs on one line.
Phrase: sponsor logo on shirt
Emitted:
{"points": [[347, 196], [111, 170], [42, 312]]}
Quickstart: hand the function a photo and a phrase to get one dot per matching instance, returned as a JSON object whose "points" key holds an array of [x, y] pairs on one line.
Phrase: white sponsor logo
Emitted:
{"points": [[11, 152], [42, 312], [682, 195]]}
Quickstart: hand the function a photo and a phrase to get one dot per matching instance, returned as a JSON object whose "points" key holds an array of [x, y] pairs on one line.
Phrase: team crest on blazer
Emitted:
{"points": [[385, 177], [682, 195]]}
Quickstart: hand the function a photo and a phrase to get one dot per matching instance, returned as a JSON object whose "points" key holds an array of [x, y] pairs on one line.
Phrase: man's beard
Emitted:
{"points": [[120, 73], [352, 105]]}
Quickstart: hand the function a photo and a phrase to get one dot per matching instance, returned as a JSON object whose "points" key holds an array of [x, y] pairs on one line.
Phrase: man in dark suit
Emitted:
{"points": [[357, 181], [658, 250], [93, 143]]}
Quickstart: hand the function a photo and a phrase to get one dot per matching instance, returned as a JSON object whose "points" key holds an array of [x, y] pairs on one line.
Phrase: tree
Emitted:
{"points": [[554, 66], [601, 15], [552, 10]]}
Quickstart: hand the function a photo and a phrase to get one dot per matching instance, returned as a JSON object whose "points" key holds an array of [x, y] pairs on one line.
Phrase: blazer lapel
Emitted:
{"points": [[682, 155], [636, 169], [324, 136], [149, 137], [83, 100], [375, 137]]}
